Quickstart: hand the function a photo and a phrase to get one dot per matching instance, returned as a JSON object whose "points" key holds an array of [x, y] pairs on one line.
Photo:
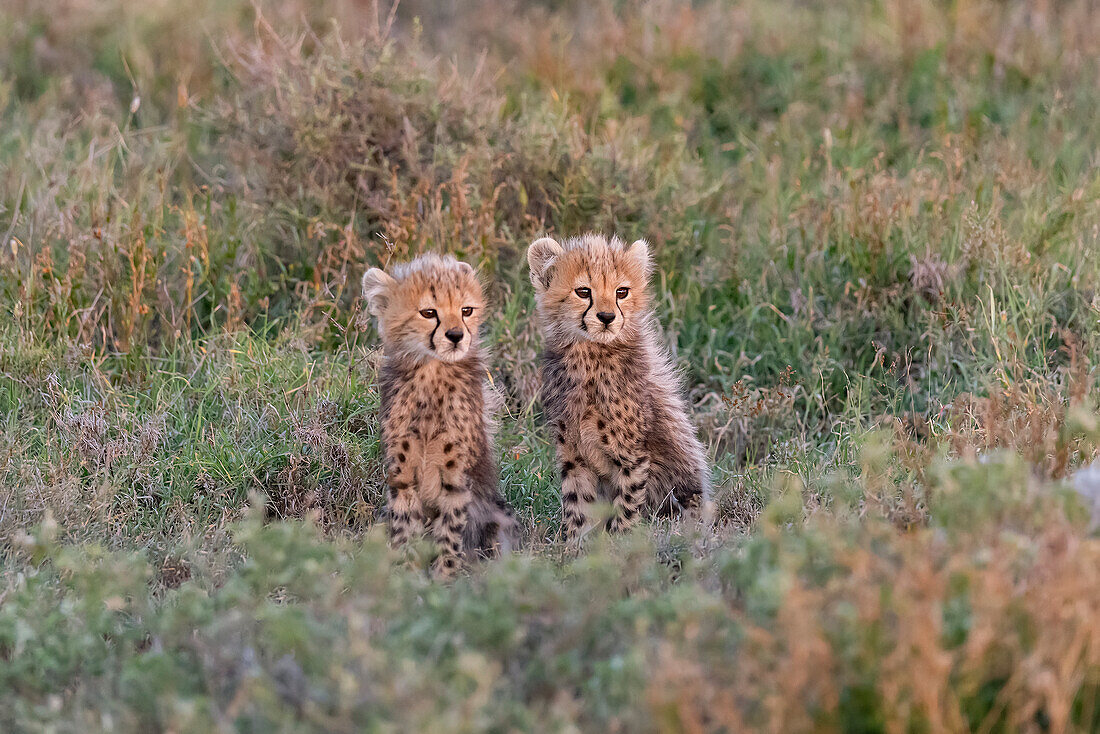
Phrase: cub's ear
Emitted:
{"points": [[376, 290], [465, 267], [639, 251], [540, 258]]}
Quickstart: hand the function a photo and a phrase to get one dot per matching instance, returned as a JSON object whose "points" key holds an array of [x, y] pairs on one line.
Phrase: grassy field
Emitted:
{"points": [[877, 227]]}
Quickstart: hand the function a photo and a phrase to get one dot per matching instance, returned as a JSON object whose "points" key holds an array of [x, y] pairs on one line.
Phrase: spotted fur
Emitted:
{"points": [[610, 394], [436, 425]]}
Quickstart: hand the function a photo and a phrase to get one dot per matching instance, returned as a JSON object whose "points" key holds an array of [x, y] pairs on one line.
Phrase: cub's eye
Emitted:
{"points": [[622, 293], [583, 292], [468, 311], [428, 313]]}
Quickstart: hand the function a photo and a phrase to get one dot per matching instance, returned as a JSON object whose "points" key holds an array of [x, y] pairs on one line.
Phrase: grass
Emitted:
{"points": [[875, 227]]}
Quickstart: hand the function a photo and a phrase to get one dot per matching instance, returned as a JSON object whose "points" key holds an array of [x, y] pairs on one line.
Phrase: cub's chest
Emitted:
{"points": [[600, 383], [431, 400]]}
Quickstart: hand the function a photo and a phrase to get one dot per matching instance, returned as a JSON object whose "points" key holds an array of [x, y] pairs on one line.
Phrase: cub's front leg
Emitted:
{"points": [[456, 460], [578, 486], [629, 472], [406, 510], [623, 460]]}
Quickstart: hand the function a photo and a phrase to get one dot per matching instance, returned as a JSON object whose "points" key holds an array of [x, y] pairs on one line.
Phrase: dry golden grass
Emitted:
{"points": [[876, 233]]}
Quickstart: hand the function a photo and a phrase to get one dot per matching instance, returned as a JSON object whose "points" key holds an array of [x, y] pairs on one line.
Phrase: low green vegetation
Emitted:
{"points": [[876, 231]]}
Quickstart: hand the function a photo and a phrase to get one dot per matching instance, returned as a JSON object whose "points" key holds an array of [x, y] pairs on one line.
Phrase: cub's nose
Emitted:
{"points": [[455, 335], [606, 316]]}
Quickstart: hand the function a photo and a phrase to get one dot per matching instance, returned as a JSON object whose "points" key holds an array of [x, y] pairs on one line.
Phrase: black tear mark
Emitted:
{"points": [[431, 337], [591, 302]]}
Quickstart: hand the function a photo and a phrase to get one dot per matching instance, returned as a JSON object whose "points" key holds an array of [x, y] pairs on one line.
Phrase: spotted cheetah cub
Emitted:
{"points": [[436, 429], [610, 393]]}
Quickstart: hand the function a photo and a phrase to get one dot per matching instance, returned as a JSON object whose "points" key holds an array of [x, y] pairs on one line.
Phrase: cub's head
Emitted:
{"points": [[590, 288], [429, 308]]}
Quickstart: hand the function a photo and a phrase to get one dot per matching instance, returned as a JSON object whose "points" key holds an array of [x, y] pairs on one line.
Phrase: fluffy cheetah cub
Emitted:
{"points": [[436, 429], [609, 391]]}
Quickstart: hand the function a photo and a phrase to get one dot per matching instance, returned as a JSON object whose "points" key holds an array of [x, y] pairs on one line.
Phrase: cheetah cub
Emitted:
{"points": [[610, 393], [436, 428]]}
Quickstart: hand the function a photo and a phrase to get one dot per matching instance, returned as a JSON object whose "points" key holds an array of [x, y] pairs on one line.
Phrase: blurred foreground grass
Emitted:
{"points": [[877, 233]]}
